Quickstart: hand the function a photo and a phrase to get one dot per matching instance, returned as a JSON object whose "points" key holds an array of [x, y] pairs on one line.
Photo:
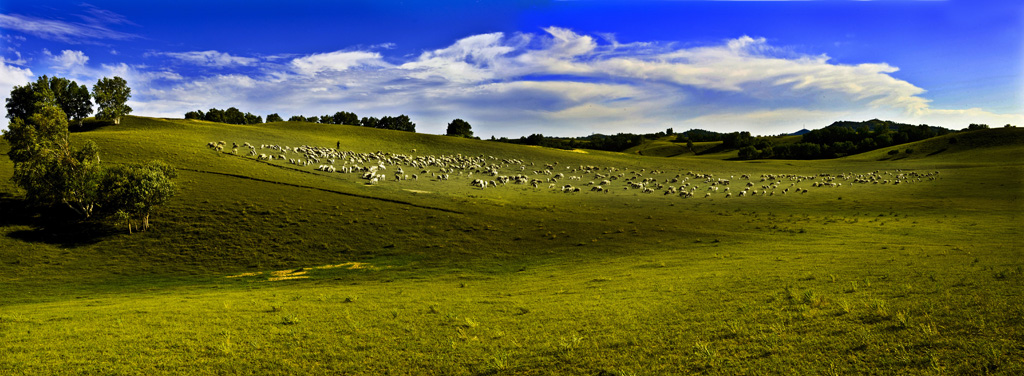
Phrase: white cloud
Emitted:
{"points": [[556, 82], [68, 60], [337, 61], [11, 76], [470, 59], [209, 58]]}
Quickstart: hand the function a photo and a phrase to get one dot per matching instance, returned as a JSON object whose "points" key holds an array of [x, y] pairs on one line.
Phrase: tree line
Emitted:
{"points": [[235, 116], [230, 116], [616, 142], [54, 172]]}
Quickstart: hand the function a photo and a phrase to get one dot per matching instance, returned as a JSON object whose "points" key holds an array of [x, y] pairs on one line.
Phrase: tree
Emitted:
{"points": [[272, 118], [112, 96], [460, 128], [22, 102], [131, 191], [748, 152], [737, 140], [234, 116], [297, 118], [73, 99], [48, 167], [66, 94], [398, 123], [369, 122], [197, 115], [253, 119], [343, 117], [974, 127], [327, 119], [215, 115]]}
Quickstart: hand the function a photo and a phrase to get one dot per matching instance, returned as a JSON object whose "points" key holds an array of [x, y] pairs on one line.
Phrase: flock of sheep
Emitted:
{"points": [[484, 172]]}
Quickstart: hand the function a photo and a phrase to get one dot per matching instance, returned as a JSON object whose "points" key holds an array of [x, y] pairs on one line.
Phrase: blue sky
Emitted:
{"points": [[563, 68]]}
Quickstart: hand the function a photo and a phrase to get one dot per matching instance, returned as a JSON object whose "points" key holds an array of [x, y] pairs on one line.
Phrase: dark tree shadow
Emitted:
{"points": [[88, 125], [50, 225]]}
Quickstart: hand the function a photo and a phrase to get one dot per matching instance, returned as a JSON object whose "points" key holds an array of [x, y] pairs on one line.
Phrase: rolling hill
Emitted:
{"points": [[265, 266]]}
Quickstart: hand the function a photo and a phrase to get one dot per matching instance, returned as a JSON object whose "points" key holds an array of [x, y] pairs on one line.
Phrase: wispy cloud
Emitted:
{"points": [[338, 61], [209, 58], [93, 28]]}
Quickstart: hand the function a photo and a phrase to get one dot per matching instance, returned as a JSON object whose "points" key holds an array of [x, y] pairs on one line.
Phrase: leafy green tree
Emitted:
{"points": [[234, 116], [974, 127], [343, 117], [253, 119], [197, 115], [272, 118], [748, 152], [327, 119], [131, 191], [112, 96], [369, 122], [73, 99], [737, 140], [48, 167], [215, 115], [460, 128], [66, 94], [297, 118], [398, 123], [22, 102]]}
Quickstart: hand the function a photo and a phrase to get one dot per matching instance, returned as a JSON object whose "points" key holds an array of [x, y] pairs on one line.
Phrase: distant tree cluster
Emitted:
{"points": [[230, 116], [841, 139], [339, 118], [699, 135], [55, 173], [234, 116], [398, 123]]}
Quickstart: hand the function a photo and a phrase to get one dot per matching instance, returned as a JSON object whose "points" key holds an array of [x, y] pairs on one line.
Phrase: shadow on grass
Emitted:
{"points": [[89, 125], [50, 226]]}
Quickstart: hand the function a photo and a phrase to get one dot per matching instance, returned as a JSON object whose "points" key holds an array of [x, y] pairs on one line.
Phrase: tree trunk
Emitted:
{"points": [[78, 208], [145, 222]]}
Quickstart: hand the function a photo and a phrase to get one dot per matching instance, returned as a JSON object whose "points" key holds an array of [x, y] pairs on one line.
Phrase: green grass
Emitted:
{"points": [[918, 278]]}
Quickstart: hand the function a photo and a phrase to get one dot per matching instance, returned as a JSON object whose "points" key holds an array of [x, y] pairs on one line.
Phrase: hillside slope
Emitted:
{"points": [[907, 265], [980, 146]]}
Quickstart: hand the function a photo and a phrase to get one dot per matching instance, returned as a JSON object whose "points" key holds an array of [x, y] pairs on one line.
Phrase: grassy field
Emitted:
{"points": [[265, 267]]}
